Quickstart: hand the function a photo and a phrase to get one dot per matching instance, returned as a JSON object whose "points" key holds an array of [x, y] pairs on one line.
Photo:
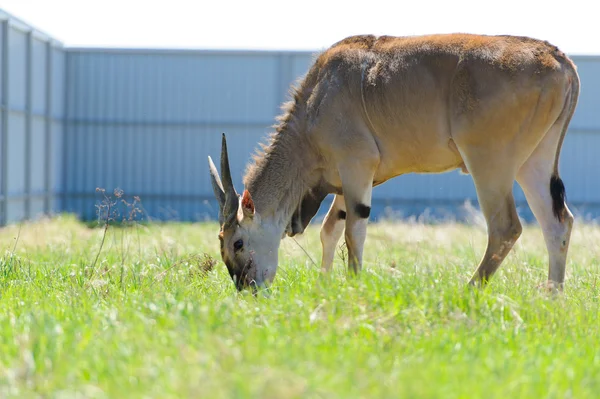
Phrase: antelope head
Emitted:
{"points": [[249, 245]]}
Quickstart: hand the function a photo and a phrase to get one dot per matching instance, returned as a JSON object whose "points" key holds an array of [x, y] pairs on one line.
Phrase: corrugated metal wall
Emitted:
{"points": [[72, 120], [144, 121], [31, 106]]}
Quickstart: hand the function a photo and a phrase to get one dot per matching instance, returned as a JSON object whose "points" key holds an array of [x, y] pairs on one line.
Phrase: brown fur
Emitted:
{"points": [[508, 52]]}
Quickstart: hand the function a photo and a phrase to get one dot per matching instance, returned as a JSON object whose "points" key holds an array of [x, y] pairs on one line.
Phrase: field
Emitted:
{"points": [[155, 316]]}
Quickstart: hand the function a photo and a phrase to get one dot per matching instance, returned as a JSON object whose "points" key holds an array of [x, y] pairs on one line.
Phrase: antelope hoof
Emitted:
{"points": [[551, 287], [477, 282]]}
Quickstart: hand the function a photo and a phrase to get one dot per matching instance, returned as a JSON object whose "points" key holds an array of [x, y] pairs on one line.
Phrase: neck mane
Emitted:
{"points": [[282, 170]]}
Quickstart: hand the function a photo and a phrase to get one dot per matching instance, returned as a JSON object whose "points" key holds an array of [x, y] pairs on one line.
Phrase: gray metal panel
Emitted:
{"points": [[58, 82], [54, 204], [4, 29], [17, 69], [152, 160], [37, 207], [179, 89], [151, 119], [38, 70], [587, 115], [26, 123], [16, 154], [57, 156], [301, 63], [15, 210], [48, 130], [580, 166], [38, 155]]}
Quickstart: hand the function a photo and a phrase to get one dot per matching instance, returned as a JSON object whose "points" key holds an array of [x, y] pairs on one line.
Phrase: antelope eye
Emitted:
{"points": [[239, 244]]}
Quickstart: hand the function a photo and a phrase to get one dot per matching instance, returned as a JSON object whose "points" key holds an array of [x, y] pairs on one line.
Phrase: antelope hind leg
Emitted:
{"points": [[536, 178], [331, 231], [494, 180]]}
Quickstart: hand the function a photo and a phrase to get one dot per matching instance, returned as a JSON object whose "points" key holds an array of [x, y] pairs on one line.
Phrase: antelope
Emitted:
{"points": [[372, 108]]}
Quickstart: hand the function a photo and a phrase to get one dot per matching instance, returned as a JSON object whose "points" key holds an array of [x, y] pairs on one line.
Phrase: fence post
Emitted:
{"points": [[48, 130], [67, 92], [28, 122], [4, 130]]}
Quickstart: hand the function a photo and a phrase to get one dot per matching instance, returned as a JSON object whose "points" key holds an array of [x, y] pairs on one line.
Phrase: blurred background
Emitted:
{"points": [[134, 96]]}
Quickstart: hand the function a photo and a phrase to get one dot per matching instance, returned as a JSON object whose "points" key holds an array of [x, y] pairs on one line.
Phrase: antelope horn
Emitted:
{"points": [[231, 197], [217, 187]]}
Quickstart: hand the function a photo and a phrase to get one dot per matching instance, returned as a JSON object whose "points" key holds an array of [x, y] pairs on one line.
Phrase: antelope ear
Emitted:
{"points": [[247, 204]]}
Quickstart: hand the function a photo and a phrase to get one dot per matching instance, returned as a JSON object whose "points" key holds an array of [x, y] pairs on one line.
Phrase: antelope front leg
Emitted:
{"points": [[357, 185]]}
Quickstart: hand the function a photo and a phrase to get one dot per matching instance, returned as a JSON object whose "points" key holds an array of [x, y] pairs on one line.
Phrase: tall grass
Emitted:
{"points": [[156, 315]]}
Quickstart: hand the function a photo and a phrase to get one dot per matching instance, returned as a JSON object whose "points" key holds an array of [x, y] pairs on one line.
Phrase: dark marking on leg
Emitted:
{"points": [[363, 211], [306, 210], [557, 192], [341, 215]]}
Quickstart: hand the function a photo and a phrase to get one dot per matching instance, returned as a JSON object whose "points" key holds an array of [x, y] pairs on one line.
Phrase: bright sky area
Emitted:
{"points": [[301, 24]]}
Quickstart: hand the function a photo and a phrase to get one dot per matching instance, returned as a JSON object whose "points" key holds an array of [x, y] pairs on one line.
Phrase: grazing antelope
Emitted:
{"points": [[372, 108]]}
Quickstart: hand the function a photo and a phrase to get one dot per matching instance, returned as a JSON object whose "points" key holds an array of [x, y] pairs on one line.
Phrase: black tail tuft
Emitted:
{"points": [[557, 191]]}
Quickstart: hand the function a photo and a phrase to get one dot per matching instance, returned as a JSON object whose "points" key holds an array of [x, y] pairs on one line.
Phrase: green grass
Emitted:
{"points": [[149, 321]]}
